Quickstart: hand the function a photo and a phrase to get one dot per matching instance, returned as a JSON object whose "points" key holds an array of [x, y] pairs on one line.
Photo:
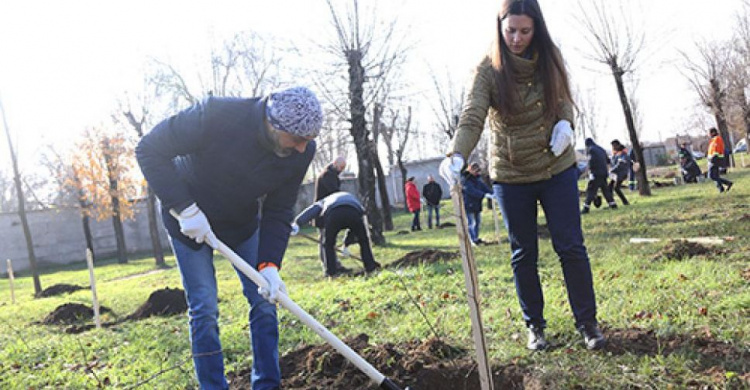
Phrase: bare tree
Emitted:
{"points": [[740, 67], [449, 104], [707, 73], [247, 64], [22, 207], [589, 120], [384, 199], [369, 52], [138, 123], [395, 137], [617, 43]]}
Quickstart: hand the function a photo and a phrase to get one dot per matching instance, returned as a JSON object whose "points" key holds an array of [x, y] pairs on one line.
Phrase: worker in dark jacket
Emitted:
{"points": [[432, 193], [340, 210], [474, 191], [210, 165], [619, 170], [598, 162], [329, 182]]}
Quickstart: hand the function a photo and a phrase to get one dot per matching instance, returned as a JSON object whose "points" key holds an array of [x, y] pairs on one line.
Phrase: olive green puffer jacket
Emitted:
{"points": [[519, 143]]}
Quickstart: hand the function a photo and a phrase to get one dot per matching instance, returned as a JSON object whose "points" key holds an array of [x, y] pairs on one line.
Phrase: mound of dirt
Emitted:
{"points": [[446, 225], [425, 256], [682, 249], [59, 289], [431, 364], [711, 352], [164, 302], [71, 313]]}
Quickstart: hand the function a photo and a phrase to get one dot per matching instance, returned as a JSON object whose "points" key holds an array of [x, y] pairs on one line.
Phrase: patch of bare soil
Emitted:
{"points": [[428, 365], [164, 302], [425, 256], [745, 218], [746, 273], [59, 289], [711, 353], [682, 249], [71, 313], [446, 225]]}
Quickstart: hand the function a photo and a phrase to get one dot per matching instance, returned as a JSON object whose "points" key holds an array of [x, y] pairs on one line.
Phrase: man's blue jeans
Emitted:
{"points": [[559, 199], [430, 208], [199, 281], [474, 220]]}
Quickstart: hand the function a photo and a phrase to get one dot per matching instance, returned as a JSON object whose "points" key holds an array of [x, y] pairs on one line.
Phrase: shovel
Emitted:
{"points": [[371, 372]]}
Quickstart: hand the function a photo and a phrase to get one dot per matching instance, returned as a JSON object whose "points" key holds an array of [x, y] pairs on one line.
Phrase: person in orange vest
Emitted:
{"points": [[715, 158]]}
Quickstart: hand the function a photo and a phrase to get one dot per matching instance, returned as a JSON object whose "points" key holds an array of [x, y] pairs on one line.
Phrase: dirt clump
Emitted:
{"points": [[421, 365], [164, 302], [424, 256], [682, 249], [59, 289], [71, 313], [711, 352], [446, 225]]}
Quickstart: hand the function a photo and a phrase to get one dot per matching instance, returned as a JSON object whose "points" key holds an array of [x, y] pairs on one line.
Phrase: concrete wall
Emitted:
{"points": [[58, 237]]}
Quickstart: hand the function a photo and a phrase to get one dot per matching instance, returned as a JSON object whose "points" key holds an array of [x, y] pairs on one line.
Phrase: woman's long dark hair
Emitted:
{"points": [[551, 69]]}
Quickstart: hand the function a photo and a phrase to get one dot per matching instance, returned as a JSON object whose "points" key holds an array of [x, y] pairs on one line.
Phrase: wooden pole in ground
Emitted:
{"points": [[10, 279], [92, 280], [494, 207], [472, 288]]}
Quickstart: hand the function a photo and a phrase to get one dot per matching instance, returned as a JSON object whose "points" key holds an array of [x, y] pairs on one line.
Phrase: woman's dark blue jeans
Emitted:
{"points": [[560, 201]]}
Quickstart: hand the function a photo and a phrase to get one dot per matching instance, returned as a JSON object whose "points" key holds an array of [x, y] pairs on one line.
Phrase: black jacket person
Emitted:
{"points": [[339, 210]]}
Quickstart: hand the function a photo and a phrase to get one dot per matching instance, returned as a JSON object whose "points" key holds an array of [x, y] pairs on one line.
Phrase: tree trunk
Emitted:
{"points": [[359, 134], [22, 210], [122, 254], [153, 229], [385, 201], [717, 105], [85, 221], [643, 187]]}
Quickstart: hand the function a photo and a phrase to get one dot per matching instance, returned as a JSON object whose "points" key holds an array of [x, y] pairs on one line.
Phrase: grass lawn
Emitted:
{"points": [[642, 293]]}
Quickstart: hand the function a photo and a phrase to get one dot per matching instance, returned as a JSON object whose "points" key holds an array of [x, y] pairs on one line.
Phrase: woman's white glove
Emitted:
{"points": [[450, 168], [194, 224], [275, 285], [562, 137]]}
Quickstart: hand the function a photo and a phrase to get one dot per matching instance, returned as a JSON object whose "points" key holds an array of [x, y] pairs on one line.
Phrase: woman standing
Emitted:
{"points": [[522, 86], [413, 202], [620, 164]]}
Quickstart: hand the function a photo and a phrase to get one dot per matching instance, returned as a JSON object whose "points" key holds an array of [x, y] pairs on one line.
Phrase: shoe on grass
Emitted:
{"points": [[536, 342], [592, 336]]}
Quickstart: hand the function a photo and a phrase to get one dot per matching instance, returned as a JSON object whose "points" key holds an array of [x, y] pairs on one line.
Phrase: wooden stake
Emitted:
{"points": [[472, 288], [10, 278], [92, 280]]}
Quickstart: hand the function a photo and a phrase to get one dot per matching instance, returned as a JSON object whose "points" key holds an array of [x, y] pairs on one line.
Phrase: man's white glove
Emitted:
{"points": [[194, 224], [275, 285], [295, 229], [489, 196], [562, 137], [345, 251], [450, 168]]}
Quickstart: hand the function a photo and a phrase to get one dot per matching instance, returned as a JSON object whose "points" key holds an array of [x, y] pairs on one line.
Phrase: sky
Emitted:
{"points": [[63, 64]]}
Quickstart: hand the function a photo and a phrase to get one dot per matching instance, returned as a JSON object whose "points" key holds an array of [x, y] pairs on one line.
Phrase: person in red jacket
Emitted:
{"points": [[715, 158], [413, 202]]}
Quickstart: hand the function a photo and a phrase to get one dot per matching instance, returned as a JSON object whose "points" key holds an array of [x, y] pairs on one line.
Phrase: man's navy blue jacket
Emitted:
{"points": [[218, 154], [598, 160], [474, 190]]}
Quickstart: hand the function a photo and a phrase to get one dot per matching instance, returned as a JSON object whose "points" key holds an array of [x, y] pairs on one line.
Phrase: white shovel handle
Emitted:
{"points": [[300, 313]]}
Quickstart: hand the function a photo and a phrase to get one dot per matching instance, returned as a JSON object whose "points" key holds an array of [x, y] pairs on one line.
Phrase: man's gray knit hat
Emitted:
{"points": [[296, 111]]}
